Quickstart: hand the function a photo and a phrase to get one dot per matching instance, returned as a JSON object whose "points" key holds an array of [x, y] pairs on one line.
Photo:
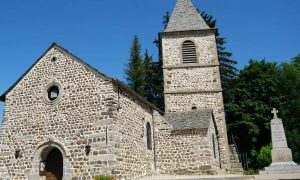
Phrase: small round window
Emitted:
{"points": [[53, 93]]}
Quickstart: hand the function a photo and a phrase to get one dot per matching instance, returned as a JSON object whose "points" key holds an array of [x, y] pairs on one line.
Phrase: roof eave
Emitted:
{"points": [[3, 96], [187, 31], [127, 89], [188, 129]]}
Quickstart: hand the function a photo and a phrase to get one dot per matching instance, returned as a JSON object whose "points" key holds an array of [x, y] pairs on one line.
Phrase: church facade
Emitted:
{"points": [[64, 119]]}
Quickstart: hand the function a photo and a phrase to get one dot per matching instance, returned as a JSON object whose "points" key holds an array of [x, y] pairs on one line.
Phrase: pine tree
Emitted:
{"points": [[227, 66], [166, 19], [157, 73], [148, 88], [135, 71], [157, 84]]}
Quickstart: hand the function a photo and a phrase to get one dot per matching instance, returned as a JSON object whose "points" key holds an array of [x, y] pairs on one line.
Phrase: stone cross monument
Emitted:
{"points": [[282, 159]]}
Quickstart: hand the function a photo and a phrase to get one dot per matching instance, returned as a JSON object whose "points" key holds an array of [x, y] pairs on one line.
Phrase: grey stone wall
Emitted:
{"points": [[205, 47], [198, 85], [136, 160], [91, 111], [82, 116], [192, 80], [185, 152]]}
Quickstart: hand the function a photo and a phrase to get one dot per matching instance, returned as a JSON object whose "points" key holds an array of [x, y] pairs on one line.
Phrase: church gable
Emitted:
{"points": [[58, 81], [55, 65]]}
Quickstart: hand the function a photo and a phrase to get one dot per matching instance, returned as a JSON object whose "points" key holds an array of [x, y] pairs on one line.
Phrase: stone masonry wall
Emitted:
{"points": [[185, 152], [214, 101], [187, 79], [205, 47], [136, 160], [196, 85], [84, 115]]}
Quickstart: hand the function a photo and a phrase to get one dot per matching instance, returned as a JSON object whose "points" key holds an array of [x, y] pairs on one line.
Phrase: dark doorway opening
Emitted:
{"points": [[54, 165]]}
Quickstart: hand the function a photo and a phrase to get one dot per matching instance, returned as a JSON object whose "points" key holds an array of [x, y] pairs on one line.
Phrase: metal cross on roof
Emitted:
{"points": [[274, 111]]}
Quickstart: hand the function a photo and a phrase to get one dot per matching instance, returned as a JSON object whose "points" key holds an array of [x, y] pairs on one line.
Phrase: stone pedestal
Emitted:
{"points": [[282, 159]]}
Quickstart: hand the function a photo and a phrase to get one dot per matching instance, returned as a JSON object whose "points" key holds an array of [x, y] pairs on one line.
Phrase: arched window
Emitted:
{"points": [[188, 52], [149, 136]]}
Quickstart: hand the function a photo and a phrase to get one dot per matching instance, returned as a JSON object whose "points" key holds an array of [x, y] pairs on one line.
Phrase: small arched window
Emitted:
{"points": [[188, 52], [149, 136]]}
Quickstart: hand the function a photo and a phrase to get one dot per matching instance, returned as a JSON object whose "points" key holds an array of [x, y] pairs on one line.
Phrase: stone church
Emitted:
{"points": [[63, 119]]}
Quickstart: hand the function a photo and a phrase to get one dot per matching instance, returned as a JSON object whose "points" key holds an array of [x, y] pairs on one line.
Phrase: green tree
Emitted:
{"points": [[156, 84], [228, 71], [290, 109], [255, 93], [135, 71], [148, 88], [166, 19]]}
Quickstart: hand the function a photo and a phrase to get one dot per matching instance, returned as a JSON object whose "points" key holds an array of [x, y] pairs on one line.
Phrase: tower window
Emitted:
{"points": [[149, 136], [189, 52]]}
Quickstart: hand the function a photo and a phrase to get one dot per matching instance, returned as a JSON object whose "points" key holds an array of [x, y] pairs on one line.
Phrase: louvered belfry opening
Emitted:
{"points": [[189, 52]]}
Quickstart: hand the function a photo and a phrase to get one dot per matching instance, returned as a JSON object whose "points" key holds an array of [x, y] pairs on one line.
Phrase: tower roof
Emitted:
{"points": [[186, 17]]}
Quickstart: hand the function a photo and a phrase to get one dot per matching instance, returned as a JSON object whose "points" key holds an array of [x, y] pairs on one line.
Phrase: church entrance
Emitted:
{"points": [[54, 165]]}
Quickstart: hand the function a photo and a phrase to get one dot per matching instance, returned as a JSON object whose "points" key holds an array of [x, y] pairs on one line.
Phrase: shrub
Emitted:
{"points": [[250, 171], [264, 158], [104, 178]]}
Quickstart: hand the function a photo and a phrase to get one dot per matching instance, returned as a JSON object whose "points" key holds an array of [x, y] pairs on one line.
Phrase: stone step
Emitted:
{"points": [[237, 171], [236, 166], [284, 168], [233, 155], [234, 161], [234, 158]]}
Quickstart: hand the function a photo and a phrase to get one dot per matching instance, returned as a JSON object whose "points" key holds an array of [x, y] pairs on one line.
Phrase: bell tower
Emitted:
{"points": [[191, 68]]}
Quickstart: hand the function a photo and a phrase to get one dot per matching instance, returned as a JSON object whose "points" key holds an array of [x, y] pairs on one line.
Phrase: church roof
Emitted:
{"points": [[186, 17], [197, 119], [116, 82]]}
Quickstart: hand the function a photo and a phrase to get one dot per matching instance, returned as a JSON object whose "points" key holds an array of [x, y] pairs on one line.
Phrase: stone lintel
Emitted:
{"points": [[194, 91], [185, 66]]}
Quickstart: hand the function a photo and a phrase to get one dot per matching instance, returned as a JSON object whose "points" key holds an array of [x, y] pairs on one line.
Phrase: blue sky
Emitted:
{"points": [[100, 31]]}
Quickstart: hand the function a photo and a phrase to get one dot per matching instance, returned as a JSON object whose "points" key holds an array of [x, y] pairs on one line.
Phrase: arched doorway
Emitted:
{"points": [[43, 153], [54, 165]]}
